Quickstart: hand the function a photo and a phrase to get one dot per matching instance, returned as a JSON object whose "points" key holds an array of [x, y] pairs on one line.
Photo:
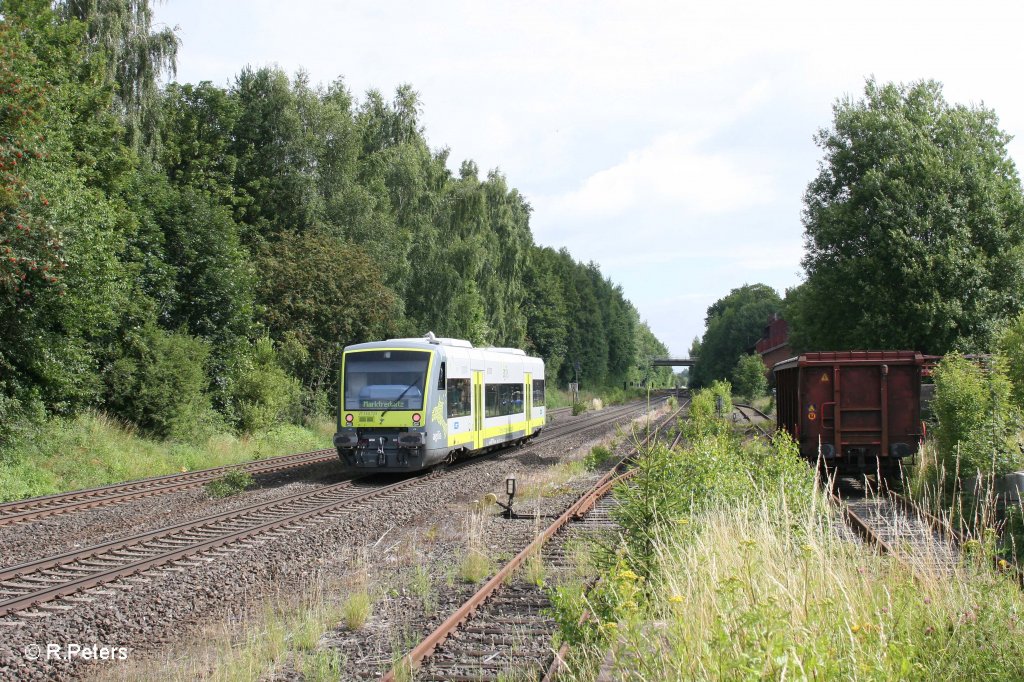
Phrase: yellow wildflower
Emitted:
{"points": [[676, 599], [628, 574], [855, 628]]}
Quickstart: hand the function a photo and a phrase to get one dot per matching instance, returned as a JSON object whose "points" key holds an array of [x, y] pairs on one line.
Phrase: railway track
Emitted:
{"points": [[504, 631], [898, 527], [886, 519], [753, 416], [78, 500], [35, 585]]}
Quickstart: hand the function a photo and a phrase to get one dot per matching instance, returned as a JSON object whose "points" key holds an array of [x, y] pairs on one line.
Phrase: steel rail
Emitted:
{"points": [[90, 498], [33, 508], [741, 407], [71, 562], [576, 510]]}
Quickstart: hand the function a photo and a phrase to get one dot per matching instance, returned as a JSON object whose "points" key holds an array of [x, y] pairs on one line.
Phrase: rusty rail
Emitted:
{"points": [[576, 510]]}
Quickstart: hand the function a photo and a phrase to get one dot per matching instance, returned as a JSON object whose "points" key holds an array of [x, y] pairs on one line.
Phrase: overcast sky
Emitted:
{"points": [[670, 142]]}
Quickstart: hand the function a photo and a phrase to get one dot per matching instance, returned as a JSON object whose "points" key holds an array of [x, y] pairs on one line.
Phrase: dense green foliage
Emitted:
{"points": [[978, 420], [749, 377], [914, 226], [728, 566], [1010, 345], [192, 258], [734, 324]]}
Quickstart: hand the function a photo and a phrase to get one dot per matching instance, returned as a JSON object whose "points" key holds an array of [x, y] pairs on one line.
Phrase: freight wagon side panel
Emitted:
{"points": [[787, 400], [860, 406]]}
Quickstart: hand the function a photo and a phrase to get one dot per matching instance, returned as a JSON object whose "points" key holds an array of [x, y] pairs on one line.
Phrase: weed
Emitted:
{"points": [[321, 666], [231, 483], [422, 586], [597, 457], [579, 407], [356, 609], [730, 569], [475, 566], [534, 571]]}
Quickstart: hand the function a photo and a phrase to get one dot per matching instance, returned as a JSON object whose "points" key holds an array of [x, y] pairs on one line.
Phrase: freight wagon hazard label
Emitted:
{"points": [[824, 378], [811, 413]]}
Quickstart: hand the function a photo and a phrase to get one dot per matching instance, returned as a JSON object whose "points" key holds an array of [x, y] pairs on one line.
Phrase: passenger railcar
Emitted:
{"points": [[852, 411], [409, 404]]}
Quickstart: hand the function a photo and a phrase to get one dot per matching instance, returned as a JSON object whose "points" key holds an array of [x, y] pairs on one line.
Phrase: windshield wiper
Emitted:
{"points": [[402, 395]]}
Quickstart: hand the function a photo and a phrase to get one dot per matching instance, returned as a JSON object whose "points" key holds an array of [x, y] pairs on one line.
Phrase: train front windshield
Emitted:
{"points": [[385, 379]]}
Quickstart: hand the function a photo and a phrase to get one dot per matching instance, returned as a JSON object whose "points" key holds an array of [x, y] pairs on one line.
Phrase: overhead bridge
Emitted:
{"points": [[674, 362]]}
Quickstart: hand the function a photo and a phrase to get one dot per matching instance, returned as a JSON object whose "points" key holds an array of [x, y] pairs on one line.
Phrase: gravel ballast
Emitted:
{"points": [[147, 616]]}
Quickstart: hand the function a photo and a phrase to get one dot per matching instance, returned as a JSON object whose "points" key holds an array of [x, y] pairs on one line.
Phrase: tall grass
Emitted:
{"points": [[476, 565], [729, 568], [94, 449], [754, 592]]}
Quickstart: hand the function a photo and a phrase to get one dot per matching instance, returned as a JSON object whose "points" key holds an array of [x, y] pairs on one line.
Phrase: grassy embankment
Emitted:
{"points": [[93, 449], [731, 569]]}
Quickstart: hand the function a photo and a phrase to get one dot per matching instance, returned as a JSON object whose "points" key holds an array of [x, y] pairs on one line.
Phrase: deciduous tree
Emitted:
{"points": [[914, 226]]}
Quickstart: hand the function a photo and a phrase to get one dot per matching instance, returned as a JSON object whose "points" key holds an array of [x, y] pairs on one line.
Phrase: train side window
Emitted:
{"points": [[440, 377], [538, 392], [459, 401], [492, 400]]}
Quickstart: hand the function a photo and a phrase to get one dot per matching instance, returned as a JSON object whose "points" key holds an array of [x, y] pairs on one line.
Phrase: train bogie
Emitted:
{"points": [[852, 411], [409, 404]]}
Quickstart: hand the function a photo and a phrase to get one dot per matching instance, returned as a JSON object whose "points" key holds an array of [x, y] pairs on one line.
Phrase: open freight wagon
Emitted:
{"points": [[854, 411]]}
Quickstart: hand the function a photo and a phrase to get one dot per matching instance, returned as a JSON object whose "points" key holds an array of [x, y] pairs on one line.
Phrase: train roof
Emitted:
{"points": [[852, 357], [431, 342]]}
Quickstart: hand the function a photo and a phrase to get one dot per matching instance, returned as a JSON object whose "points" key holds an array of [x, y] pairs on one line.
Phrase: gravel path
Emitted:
{"points": [[164, 610]]}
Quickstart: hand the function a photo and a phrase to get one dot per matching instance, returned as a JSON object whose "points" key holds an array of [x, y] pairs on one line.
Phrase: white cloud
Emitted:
{"points": [[672, 172]]}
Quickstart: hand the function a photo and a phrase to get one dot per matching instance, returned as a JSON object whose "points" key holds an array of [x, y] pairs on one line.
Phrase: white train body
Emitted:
{"points": [[408, 404]]}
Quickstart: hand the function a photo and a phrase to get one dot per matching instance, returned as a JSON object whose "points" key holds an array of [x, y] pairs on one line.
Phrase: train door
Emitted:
{"points": [[528, 401], [478, 410]]}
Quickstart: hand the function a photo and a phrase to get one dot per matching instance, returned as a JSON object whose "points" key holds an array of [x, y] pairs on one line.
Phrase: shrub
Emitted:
{"points": [[231, 483], [1010, 344], [977, 419], [160, 383], [263, 394], [749, 378], [708, 408], [597, 456], [714, 469], [19, 418]]}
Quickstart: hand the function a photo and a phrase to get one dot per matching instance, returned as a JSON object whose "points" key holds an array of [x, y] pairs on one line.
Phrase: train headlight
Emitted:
{"points": [[416, 418], [348, 419]]}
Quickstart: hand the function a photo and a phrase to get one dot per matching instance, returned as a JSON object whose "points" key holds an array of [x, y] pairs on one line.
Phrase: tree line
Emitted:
{"points": [[914, 233], [193, 257]]}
